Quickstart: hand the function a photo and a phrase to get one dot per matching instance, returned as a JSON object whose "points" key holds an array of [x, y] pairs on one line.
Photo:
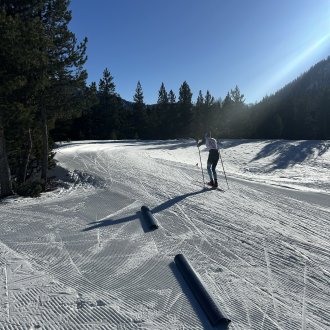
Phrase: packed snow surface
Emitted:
{"points": [[81, 257]]}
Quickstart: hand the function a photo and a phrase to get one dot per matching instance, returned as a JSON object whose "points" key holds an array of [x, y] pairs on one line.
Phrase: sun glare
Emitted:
{"points": [[298, 60]]}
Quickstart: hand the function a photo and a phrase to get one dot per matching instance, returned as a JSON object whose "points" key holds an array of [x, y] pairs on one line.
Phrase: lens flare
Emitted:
{"points": [[298, 60]]}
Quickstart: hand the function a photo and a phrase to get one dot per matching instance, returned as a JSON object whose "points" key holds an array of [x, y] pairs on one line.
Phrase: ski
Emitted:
{"points": [[213, 188]]}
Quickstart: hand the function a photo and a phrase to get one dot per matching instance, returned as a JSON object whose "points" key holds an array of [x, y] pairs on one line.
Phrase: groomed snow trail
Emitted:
{"points": [[81, 258]]}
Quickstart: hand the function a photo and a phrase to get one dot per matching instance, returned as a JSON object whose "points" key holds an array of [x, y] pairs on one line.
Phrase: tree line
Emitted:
{"points": [[44, 98], [299, 110], [108, 116]]}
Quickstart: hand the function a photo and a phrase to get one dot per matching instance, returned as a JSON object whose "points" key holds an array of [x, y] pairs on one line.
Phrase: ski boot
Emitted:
{"points": [[215, 184], [211, 183]]}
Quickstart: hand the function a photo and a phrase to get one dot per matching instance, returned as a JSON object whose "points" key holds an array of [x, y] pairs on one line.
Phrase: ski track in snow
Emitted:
{"points": [[80, 258]]}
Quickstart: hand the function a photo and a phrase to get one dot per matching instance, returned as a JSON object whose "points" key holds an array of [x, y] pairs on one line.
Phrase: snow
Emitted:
{"points": [[81, 257]]}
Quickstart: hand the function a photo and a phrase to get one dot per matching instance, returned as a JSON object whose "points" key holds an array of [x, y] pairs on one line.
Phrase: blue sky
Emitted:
{"points": [[259, 45]]}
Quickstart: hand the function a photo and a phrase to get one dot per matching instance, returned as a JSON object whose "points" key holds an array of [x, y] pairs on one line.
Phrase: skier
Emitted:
{"points": [[213, 158]]}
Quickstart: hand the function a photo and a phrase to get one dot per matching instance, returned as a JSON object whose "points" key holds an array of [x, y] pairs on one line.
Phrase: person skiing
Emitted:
{"points": [[213, 158]]}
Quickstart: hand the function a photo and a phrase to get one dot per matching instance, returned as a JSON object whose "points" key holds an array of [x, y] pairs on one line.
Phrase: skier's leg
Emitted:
{"points": [[215, 175], [214, 165], [209, 171], [214, 171]]}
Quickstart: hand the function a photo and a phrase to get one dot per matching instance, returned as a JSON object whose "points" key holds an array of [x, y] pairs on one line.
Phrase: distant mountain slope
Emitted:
{"points": [[299, 110], [316, 79]]}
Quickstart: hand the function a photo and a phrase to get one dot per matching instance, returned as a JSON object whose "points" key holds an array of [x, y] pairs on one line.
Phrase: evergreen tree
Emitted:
{"points": [[198, 120], [236, 96], [276, 127], [210, 114], [200, 100], [185, 110], [51, 73], [138, 96], [185, 94], [21, 61], [217, 117], [234, 118], [162, 114], [209, 100], [171, 97], [324, 114], [84, 127], [162, 95], [65, 72], [107, 87], [105, 111], [140, 113], [171, 116], [227, 102]]}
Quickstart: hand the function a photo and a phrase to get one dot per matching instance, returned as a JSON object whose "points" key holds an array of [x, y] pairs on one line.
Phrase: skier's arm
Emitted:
{"points": [[207, 143], [204, 140], [200, 142]]}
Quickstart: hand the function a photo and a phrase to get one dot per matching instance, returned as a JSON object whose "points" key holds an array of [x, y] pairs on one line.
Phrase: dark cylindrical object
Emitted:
{"points": [[152, 223], [209, 306]]}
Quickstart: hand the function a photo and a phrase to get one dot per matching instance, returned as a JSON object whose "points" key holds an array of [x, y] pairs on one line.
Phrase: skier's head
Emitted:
{"points": [[208, 134]]}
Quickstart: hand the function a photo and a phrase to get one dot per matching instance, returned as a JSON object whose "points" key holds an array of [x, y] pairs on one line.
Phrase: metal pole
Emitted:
{"points": [[200, 158], [223, 169]]}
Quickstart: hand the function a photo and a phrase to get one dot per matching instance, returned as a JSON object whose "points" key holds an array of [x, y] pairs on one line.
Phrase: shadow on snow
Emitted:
{"points": [[110, 222], [289, 154]]}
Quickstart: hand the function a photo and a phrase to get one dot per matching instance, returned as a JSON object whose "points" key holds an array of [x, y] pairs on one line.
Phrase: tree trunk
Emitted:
{"points": [[28, 154], [25, 158], [44, 165], [5, 177]]}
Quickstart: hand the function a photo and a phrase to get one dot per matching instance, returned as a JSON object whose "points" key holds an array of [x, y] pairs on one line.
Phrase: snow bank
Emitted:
{"points": [[303, 165]]}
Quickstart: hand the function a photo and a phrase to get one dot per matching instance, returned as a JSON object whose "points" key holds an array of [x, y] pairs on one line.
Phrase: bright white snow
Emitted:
{"points": [[81, 257]]}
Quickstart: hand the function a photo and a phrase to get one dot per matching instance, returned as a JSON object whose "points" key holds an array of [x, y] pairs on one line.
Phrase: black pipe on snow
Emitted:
{"points": [[200, 292], [149, 218]]}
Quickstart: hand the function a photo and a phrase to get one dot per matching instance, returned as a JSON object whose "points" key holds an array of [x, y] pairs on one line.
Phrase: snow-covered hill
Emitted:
{"points": [[82, 258]]}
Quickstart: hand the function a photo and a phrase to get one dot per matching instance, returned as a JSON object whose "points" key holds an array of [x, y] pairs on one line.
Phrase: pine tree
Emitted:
{"points": [[200, 100], [185, 94], [324, 114], [106, 85], [236, 96], [209, 99], [171, 97], [161, 114], [162, 95], [106, 114], [225, 123], [140, 113], [65, 72], [185, 109], [198, 121], [83, 127], [171, 117], [138, 96], [52, 75], [237, 123], [5, 175], [21, 61], [210, 115], [227, 102]]}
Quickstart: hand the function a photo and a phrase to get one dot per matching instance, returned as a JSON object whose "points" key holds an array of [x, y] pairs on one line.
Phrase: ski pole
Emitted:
{"points": [[223, 168], [200, 158]]}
